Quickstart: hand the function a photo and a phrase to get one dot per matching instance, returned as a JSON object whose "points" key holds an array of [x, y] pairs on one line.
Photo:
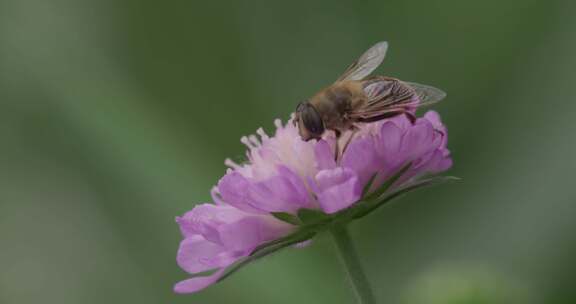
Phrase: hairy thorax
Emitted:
{"points": [[334, 102]]}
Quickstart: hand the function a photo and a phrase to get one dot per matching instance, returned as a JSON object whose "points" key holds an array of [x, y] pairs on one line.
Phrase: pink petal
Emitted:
{"points": [[198, 283], [234, 189], [337, 189], [388, 144], [284, 192], [418, 140], [434, 118], [324, 155], [401, 121], [205, 218], [193, 253], [226, 258], [247, 233], [361, 157]]}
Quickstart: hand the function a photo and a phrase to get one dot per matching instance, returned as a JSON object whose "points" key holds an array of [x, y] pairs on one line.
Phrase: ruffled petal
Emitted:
{"points": [[324, 154], [337, 189], [401, 121], [197, 283], [388, 145], [195, 252], [434, 118], [205, 219], [360, 156], [417, 141], [284, 192], [235, 190], [244, 235]]}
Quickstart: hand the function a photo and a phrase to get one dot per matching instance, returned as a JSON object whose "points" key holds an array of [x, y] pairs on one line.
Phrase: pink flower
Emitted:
{"points": [[285, 174]]}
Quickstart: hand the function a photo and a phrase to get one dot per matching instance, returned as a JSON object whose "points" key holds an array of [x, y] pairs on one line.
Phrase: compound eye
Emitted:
{"points": [[312, 120]]}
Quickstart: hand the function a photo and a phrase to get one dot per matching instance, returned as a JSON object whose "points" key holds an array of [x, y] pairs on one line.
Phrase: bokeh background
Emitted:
{"points": [[116, 116]]}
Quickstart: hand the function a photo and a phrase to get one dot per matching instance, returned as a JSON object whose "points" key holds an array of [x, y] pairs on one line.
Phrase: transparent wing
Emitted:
{"points": [[389, 96], [366, 64], [426, 93]]}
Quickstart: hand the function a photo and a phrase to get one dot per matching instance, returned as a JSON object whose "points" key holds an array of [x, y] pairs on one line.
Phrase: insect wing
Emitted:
{"points": [[366, 64], [427, 94], [388, 97]]}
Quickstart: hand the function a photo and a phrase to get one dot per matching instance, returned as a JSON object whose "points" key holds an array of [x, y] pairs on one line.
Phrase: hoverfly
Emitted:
{"points": [[356, 97]]}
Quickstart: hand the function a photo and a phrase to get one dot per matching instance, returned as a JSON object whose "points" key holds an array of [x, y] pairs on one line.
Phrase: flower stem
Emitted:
{"points": [[349, 258]]}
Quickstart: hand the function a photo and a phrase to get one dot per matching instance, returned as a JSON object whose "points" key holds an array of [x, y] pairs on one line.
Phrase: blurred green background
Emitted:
{"points": [[116, 116]]}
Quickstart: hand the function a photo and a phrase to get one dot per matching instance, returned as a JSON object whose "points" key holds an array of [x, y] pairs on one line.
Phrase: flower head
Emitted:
{"points": [[285, 174]]}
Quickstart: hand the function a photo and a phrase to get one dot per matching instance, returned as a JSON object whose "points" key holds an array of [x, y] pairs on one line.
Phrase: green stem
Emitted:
{"points": [[351, 262]]}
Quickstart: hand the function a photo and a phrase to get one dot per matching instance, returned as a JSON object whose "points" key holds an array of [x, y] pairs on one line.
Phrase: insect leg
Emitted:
{"points": [[353, 129], [411, 117], [336, 145]]}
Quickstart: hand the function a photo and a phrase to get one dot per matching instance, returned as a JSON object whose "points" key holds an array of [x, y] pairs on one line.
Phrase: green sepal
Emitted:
{"points": [[369, 184], [292, 239], [388, 183], [369, 207], [287, 217], [296, 235], [312, 216], [367, 200]]}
